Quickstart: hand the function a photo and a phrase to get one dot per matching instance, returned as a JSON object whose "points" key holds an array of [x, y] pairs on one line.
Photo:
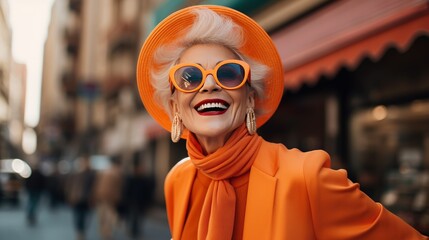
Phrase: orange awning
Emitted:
{"points": [[345, 32]]}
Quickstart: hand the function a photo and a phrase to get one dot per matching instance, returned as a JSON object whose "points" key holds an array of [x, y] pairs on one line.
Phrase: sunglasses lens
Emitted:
{"points": [[230, 75], [188, 78]]}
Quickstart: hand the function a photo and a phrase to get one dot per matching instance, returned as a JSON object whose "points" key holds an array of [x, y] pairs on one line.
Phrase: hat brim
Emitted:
{"points": [[258, 46]]}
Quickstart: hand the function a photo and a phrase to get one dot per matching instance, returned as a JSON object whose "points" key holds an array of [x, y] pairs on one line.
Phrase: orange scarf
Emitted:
{"points": [[232, 160]]}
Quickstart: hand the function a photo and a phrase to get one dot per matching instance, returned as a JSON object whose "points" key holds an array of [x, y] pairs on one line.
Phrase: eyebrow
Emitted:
{"points": [[204, 67], [215, 64]]}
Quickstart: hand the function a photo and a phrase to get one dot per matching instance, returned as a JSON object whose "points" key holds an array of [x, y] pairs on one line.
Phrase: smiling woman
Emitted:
{"points": [[212, 75]]}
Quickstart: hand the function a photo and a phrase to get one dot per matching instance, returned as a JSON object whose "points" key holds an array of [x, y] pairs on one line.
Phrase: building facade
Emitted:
{"points": [[12, 92]]}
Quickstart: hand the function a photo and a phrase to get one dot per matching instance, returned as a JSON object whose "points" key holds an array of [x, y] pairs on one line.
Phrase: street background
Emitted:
{"points": [[55, 224], [74, 133]]}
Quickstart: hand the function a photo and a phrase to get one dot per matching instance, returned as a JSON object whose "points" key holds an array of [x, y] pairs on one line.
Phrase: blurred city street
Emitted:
{"points": [[73, 126], [58, 224]]}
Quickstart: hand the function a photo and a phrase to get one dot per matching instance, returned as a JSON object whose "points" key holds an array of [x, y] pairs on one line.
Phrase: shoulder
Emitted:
{"points": [[180, 166], [178, 181], [294, 159], [182, 169], [292, 167]]}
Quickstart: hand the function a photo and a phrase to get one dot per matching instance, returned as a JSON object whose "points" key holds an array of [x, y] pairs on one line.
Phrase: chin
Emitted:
{"points": [[213, 131]]}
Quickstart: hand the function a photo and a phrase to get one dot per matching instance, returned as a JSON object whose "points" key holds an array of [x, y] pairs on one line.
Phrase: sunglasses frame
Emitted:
{"points": [[212, 72]]}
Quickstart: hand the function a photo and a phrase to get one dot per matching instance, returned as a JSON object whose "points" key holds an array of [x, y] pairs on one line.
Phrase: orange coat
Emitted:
{"points": [[295, 195]]}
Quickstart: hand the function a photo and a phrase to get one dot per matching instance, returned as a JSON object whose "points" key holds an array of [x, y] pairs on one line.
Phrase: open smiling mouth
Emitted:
{"points": [[212, 107]]}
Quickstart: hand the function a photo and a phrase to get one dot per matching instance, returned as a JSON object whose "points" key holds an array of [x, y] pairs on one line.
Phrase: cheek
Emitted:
{"points": [[242, 98], [183, 103]]}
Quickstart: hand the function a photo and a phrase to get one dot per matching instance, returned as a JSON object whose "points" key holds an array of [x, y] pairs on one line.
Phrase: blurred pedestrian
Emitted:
{"points": [[54, 187], [138, 191], [108, 193], [80, 194], [34, 186]]}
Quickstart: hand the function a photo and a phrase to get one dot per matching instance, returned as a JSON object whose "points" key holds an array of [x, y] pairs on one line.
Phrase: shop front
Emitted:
{"points": [[389, 130], [357, 85]]}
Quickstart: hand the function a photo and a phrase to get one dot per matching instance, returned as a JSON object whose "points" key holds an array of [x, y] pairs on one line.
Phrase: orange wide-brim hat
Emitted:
{"points": [[258, 46]]}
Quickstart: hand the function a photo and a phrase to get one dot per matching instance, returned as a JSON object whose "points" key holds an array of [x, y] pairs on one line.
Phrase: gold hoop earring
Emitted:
{"points": [[251, 121], [176, 128]]}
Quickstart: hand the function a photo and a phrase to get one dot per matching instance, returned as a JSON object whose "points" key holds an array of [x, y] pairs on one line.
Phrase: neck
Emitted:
{"points": [[211, 144]]}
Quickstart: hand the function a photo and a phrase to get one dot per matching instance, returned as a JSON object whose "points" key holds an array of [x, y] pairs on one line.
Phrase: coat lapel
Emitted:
{"points": [[261, 193]]}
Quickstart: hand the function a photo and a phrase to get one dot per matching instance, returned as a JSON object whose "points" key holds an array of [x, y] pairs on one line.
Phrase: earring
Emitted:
{"points": [[176, 128], [251, 121]]}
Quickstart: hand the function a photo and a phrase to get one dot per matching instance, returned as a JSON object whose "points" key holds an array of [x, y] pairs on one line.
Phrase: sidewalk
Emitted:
{"points": [[50, 225], [57, 225]]}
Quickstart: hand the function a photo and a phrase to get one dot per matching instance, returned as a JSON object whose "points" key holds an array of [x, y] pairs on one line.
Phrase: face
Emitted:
{"points": [[211, 113]]}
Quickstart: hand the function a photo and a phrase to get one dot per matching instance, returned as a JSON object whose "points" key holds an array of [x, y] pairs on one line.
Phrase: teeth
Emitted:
{"points": [[211, 105]]}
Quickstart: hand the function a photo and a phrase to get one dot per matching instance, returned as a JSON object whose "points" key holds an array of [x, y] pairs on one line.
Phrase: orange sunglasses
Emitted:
{"points": [[228, 74]]}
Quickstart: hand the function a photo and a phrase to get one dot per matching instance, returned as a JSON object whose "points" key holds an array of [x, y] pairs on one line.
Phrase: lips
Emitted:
{"points": [[212, 107]]}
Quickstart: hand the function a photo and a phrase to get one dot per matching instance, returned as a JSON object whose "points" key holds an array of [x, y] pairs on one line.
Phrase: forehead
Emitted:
{"points": [[207, 54]]}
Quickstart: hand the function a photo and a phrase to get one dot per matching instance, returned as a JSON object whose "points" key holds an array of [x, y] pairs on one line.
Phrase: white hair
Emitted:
{"points": [[208, 28]]}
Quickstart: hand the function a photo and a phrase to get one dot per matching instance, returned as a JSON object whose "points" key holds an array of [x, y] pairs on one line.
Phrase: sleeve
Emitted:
{"points": [[177, 187], [341, 211], [169, 197]]}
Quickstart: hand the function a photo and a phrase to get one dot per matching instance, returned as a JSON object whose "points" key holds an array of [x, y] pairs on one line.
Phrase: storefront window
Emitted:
{"points": [[390, 151]]}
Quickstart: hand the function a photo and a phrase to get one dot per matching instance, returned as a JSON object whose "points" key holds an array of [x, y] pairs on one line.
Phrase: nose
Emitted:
{"points": [[210, 84]]}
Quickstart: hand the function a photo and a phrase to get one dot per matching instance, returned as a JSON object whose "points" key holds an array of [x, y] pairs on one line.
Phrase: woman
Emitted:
{"points": [[212, 75]]}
